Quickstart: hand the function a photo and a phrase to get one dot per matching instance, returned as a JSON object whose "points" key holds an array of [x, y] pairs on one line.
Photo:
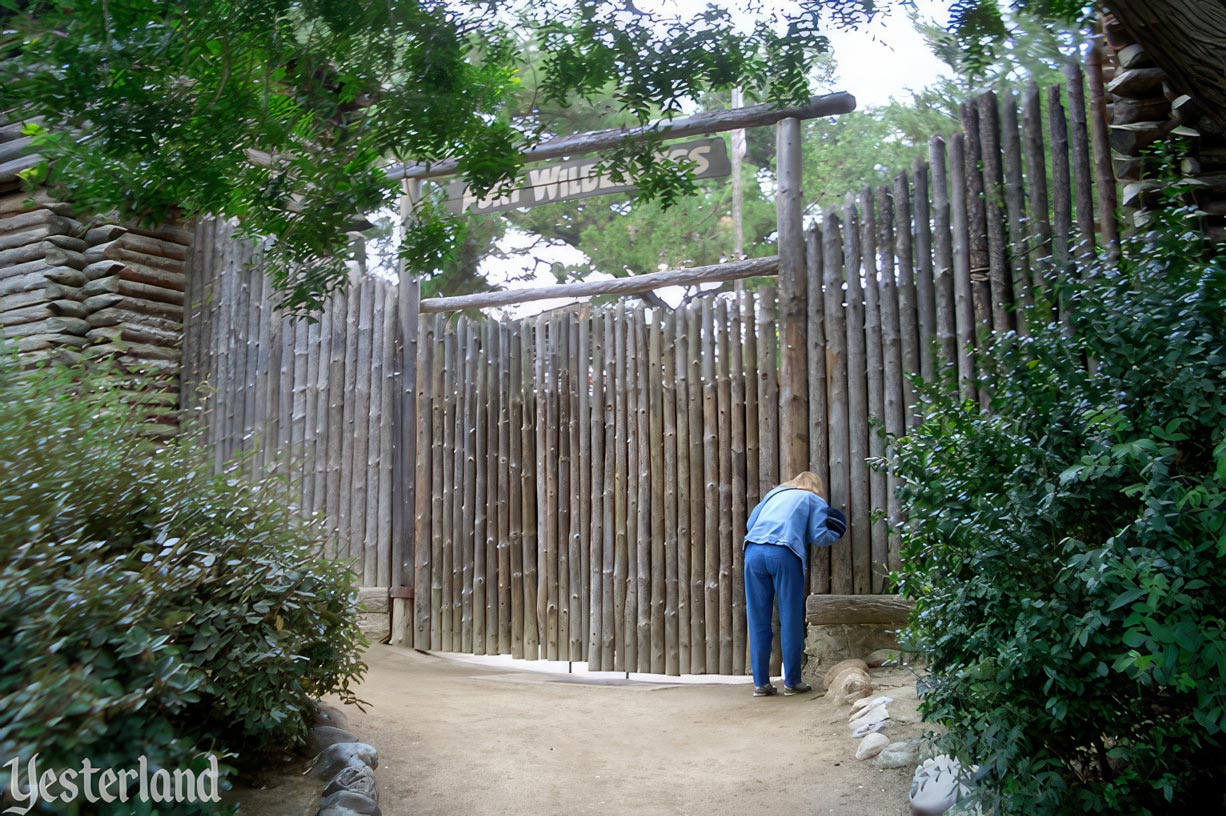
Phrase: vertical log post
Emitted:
{"points": [[874, 363], [819, 446], [793, 389], [836, 357], [682, 400], [859, 515], [411, 432]]}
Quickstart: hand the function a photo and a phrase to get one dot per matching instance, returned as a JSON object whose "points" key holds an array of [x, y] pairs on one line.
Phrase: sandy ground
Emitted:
{"points": [[459, 737]]}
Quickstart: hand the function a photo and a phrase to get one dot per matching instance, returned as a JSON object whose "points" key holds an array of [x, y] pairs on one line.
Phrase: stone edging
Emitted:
{"points": [[347, 765]]}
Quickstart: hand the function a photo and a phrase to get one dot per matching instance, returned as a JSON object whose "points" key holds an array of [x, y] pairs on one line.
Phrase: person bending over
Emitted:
{"points": [[789, 519]]}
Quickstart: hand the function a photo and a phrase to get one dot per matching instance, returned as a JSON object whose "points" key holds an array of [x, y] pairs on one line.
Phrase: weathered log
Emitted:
{"points": [[43, 293], [11, 169], [1134, 56], [735, 479], [964, 315], [117, 284], [511, 445], [793, 413], [561, 397], [1083, 176], [681, 401], [139, 305], [596, 456], [698, 508], [819, 446], [67, 242], [1015, 206], [822, 610], [582, 378], [104, 233], [65, 307], [102, 269], [854, 574], [575, 556], [150, 276], [1039, 241], [618, 286], [467, 551], [943, 258], [136, 244], [34, 220], [976, 218], [50, 325], [1132, 111], [925, 279], [1132, 138], [837, 399], [608, 593], [168, 231], [999, 277], [29, 237], [14, 148], [1138, 83], [668, 462], [701, 123], [529, 437], [643, 542], [33, 200], [16, 316], [43, 342], [47, 252]]}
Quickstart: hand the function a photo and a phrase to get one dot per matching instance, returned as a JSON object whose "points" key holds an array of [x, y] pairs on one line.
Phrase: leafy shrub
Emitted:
{"points": [[148, 607], [1067, 549]]}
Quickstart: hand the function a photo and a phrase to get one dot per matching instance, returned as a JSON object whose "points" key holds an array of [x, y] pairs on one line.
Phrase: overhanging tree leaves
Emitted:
{"points": [[282, 112]]}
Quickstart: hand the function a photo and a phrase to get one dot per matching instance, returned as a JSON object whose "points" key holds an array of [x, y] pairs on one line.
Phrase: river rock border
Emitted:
{"points": [[347, 765]]}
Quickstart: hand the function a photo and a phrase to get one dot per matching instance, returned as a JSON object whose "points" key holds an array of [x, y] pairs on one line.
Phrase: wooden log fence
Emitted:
{"points": [[311, 401], [575, 485], [653, 434]]}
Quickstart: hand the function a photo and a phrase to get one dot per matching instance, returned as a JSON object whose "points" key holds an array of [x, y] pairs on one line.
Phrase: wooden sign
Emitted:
{"points": [[578, 178]]}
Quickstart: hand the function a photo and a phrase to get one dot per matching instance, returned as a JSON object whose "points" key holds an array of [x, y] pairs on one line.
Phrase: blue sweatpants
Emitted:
{"points": [[774, 571]]}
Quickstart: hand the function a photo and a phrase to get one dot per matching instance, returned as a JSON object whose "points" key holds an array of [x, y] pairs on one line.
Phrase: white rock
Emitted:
{"points": [[871, 728], [871, 745], [937, 786], [873, 715], [868, 702], [897, 755]]}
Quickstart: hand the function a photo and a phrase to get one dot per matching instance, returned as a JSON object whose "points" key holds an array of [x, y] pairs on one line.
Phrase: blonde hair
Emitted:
{"points": [[807, 480]]}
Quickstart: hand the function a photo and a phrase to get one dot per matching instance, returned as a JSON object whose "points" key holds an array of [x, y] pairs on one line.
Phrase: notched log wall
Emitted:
{"points": [[73, 289]]}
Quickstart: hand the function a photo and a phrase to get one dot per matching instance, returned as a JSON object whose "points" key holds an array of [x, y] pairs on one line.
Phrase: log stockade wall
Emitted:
{"points": [[584, 476], [591, 471], [310, 400], [76, 289]]}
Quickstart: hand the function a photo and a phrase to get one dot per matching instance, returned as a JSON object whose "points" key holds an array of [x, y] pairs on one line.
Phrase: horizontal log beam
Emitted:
{"points": [[637, 284], [698, 124], [875, 609]]}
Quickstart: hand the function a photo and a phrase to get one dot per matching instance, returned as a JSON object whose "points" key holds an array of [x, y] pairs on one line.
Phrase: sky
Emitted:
{"points": [[884, 60]]}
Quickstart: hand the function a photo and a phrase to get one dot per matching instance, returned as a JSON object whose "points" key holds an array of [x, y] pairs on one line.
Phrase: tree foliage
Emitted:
{"points": [[152, 108], [1066, 549]]}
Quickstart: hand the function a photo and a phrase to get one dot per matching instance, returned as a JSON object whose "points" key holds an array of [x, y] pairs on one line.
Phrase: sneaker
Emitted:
{"points": [[765, 691], [799, 688]]}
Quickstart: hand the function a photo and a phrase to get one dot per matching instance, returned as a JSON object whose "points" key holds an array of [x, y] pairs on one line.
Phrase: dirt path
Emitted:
{"points": [[457, 738]]}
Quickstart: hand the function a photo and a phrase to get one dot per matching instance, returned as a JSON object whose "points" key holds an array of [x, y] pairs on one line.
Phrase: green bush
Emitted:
{"points": [[1067, 549], [148, 607]]}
